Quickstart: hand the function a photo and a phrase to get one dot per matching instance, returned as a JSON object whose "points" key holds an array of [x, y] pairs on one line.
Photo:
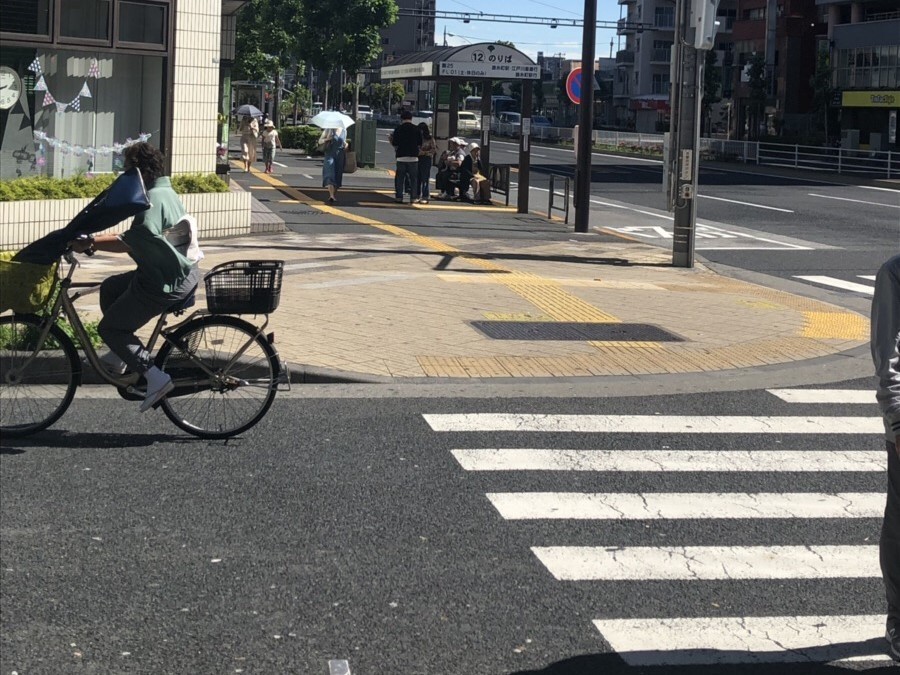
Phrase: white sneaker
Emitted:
{"points": [[158, 385]]}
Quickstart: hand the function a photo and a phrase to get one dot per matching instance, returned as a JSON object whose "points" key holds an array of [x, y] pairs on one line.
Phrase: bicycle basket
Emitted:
{"points": [[244, 287], [24, 287]]}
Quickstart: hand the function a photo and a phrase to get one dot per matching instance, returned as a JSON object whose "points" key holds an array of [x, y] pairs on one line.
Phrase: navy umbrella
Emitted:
{"points": [[248, 109]]}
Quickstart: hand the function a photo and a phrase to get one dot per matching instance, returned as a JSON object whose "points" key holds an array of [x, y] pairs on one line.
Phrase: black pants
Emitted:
{"points": [[890, 540]]}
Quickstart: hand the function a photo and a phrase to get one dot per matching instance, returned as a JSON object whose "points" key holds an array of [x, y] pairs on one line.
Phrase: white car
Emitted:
{"points": [[468, 121], [363, 112], [426, 116]]}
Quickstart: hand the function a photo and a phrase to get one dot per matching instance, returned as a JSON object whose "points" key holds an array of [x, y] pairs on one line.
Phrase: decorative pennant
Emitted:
{"points": [[41, 85], [85, 91], [60, 107], [48, 99], [35, 66], [94, 70], [75, 104], [65, 147]]}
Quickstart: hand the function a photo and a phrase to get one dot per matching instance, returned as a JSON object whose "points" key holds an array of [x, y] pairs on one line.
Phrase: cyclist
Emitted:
{"points": [[163, 275]]}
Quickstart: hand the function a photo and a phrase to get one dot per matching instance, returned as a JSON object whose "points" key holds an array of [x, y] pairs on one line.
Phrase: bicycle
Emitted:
{"points": [[226, 370]]}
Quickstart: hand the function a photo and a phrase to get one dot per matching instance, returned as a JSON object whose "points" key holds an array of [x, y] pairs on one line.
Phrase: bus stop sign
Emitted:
{"points": [[573, 86]]}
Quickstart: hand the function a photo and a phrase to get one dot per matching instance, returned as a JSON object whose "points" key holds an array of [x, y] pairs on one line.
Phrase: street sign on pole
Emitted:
{"points": [[573, 85]]}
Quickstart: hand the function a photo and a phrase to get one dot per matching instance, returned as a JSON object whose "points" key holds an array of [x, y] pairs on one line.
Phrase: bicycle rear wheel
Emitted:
{"points": [[34, 396], [242, 387]]}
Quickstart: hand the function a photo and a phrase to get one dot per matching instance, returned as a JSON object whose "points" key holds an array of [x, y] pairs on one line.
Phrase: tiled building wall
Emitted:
{"points": [[198, 35]]}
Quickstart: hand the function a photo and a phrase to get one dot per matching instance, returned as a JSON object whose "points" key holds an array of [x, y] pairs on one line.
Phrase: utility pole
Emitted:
{"points": [[586, 120], [695, 28]]}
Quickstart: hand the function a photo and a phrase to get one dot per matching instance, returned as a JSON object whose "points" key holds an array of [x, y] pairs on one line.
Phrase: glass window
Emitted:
{"points": [[25, 16], [140, 22], [84, 19], [80, 133]]}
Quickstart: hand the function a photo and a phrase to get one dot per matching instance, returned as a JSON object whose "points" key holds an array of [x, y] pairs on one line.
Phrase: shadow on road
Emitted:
{"points": [[73, 439]]}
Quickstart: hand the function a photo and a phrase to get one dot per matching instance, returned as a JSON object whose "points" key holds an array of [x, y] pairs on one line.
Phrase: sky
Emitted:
{"points": [[530, 39]]}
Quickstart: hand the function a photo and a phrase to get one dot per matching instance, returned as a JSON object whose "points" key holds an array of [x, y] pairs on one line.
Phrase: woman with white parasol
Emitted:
{"points": [[333, 142]]}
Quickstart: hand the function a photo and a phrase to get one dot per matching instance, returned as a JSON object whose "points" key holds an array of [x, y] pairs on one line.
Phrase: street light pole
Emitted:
{"points": [[586, 121]]}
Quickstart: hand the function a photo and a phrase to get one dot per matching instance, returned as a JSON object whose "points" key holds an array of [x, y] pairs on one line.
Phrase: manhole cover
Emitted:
{"points": [[577, 331]]}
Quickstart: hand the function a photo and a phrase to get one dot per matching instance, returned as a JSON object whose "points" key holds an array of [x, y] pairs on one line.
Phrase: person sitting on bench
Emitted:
{"points": [[472, 174], [448, 176]]}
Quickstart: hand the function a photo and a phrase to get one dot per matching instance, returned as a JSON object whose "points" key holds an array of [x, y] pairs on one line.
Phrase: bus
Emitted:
{"points": [[499, 104]]}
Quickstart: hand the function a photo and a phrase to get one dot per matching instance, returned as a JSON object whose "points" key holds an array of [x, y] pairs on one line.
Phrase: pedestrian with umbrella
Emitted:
{"points": [[333, 142], [249, 133]]}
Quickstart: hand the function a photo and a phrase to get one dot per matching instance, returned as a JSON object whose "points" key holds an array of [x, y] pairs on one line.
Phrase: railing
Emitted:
{"points": [[870, 163], [661, 55], [552, 194], [500, 180]]}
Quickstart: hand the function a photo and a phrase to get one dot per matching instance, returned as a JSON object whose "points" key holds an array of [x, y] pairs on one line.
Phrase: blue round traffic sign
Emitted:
{"points": [[573, 85]]}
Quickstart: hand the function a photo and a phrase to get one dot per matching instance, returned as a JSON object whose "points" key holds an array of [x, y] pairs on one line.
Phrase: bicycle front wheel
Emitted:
{"points": [[234, 387], [37, 382]]}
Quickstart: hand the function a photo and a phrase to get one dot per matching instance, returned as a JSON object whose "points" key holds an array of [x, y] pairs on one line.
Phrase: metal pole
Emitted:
{"points": [[524, 150], [586, 121], [687, 138]]}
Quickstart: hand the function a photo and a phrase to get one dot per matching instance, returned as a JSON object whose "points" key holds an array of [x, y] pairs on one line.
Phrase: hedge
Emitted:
{"points": [[82, 185], [302, 138]]}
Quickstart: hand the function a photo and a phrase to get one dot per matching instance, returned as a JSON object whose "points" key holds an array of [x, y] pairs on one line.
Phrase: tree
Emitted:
{"points": [[759, 88], [712, 79], [266, 37], [823, 91], [344, 33]]}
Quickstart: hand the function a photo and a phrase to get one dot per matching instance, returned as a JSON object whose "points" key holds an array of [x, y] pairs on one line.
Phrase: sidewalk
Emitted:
{"points": [[377, 301]]}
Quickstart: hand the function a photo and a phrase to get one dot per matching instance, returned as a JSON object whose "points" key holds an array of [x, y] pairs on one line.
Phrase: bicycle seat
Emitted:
{"points": [[190, 300]]}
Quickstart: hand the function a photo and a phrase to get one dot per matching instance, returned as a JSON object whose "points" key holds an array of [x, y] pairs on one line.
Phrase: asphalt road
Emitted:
{"points": [[345, 529]]}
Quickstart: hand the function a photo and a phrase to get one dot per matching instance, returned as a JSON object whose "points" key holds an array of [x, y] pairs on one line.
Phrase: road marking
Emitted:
{"points": [[735, 201], [307, 176], [850, 396], [839, 283], [685, 505], [338, 667], [857, 201], [869, 277], [659, 424], [654, 461], [883, 189], [283, 166], [708, 563], [750, 639]]}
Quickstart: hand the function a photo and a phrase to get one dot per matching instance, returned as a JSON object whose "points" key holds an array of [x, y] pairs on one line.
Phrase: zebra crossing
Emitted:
{"points": [[842, 284], [674, 639]]}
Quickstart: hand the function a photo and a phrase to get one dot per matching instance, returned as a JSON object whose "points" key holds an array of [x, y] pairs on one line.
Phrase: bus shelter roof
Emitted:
{"points": [[484, 60]]}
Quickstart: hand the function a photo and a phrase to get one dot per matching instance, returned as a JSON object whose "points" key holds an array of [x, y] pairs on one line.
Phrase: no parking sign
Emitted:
{"points": [[573, 85]]}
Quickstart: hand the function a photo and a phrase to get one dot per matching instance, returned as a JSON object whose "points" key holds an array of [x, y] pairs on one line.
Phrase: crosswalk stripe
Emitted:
{"points": [[847, 396], [543, 459], [839, 283], [686, 424], [732, 640], [868, 277], [685, 505], [703, 563]]}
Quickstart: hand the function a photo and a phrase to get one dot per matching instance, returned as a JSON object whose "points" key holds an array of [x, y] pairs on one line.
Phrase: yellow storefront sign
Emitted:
{"points": [[871, 99]]}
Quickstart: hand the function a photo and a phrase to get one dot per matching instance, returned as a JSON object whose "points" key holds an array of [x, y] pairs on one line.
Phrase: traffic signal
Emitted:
{"points": [[703, 21]]}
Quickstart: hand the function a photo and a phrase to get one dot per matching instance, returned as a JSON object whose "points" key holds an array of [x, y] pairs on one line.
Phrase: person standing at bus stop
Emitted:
{"points": [[886, 356], [406, 139], [427, 151]]}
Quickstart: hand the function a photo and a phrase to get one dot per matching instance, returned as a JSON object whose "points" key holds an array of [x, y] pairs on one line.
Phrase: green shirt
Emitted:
{"points": [[160, 268]]}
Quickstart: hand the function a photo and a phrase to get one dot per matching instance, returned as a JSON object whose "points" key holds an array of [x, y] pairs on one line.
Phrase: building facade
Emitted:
{"points": [[863, 38], [408, 35], [82, 79]]}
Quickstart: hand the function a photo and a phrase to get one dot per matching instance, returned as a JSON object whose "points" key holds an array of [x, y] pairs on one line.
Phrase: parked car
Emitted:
{"points": [[426, 116], [541, 121], [507, 124], [364, 112], [468, 121]]}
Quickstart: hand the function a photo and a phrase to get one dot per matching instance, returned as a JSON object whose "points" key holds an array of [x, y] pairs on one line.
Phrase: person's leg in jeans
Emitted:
{"points": [[400, 180], [424, 178], [890, 540]]}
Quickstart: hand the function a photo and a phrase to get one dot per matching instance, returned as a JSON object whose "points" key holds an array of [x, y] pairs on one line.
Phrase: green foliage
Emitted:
{"points": [[712, 80], [84, 186], [27, 338], [301, 137], [90, 327], [44, 187], [267, 36], [188, 183]]}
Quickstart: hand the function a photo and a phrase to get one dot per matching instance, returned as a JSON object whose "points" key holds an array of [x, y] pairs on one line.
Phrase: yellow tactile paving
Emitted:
{"points": [[835, 325]]}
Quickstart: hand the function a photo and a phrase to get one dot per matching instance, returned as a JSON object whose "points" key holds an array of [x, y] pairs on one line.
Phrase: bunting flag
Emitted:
{"points": [[35, 66], [41, 85], [85, 91], [48, 99], [65, 147], [94, 70], [60, 107], [75, 104]]}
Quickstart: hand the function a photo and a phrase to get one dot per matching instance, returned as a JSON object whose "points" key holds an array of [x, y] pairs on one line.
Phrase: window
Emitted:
{"points": [[26, 17], [755, 14], [84, 19], [142, 23], [665, 17], [660, 84]]}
